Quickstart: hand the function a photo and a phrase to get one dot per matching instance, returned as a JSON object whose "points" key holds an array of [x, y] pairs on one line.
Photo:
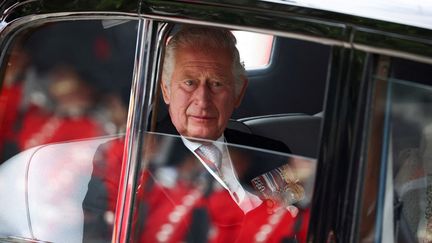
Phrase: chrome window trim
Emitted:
{"points": [[139, 110], [393, 53], [21, 23], [67, 16], [51, 6], [305, 37]]}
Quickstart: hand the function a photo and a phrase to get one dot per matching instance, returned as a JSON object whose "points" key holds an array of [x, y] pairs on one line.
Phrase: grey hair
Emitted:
{"points": [[208, 37]]}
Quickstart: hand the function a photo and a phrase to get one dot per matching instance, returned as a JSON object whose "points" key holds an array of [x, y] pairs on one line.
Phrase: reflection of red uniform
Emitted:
{"points": [[226, 217], [169, 213], [261, 226], [227, 221], [258, 225], [10, 99], [40, 127]]}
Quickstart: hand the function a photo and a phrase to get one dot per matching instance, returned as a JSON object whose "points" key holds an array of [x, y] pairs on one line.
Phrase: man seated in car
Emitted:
{"points": [[203, 81]]}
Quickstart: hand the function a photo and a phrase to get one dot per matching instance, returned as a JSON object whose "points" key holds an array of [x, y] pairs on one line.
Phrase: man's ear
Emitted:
{"points": [[242, 92], [165, 92]]}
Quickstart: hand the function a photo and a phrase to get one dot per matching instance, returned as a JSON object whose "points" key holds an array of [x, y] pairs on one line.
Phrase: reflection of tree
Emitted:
{"points": [[75, 5]]}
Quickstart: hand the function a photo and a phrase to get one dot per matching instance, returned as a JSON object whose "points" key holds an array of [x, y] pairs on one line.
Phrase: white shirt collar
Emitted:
{"points": [[194, 145]]}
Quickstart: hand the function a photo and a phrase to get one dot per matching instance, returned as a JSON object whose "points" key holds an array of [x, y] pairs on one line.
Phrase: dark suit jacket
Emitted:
{"points": [[233, 137], [259, 162]]}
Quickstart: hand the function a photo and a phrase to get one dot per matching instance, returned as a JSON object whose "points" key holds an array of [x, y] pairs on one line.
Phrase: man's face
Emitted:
{"points": [[201, 96]]}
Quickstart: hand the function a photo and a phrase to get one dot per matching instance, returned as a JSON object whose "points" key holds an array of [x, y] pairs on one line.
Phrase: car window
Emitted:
{"points": [[46, 194], [284, 102], [288, 79], [181, 197], [255, 49], [65, 81], [410, 124], [61, 83], [405, 115]]}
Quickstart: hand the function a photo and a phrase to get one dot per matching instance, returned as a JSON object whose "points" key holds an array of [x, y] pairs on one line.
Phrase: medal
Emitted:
{"points": [[280, 186]]}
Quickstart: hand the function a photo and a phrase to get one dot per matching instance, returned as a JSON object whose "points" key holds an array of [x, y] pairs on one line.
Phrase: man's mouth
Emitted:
{"points": [[201, 118]]}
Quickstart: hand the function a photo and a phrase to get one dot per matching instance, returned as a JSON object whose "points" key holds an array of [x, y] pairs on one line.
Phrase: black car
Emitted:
{"points": [[346, 87]]}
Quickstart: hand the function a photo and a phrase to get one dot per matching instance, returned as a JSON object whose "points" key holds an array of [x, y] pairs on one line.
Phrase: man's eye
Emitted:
{"points": [[216, 84], [189, 82]]}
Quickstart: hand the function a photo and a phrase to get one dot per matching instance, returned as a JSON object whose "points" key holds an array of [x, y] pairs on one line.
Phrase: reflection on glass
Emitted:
{"points": [[250, 195], [65, 81], [69, 191], [43, 190], [411, 120], [62, 86]]}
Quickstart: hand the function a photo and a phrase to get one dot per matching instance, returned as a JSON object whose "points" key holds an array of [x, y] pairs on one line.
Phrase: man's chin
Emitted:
{"points": [[206, 135]]}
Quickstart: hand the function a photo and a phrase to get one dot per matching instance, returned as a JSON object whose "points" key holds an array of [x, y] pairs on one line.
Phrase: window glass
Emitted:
{"points": [[65, 81], [412, 134], [183, 197], [61, 83], [273, 134], [409, 117], [293, 78], [48, 194], [284, 102]]}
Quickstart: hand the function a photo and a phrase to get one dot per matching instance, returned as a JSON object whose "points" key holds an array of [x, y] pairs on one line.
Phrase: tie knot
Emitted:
{"points": [[211, 153]]}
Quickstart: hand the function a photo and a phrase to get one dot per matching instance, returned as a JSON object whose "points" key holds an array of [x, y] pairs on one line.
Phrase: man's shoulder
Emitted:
{"points": [[253, 140]]}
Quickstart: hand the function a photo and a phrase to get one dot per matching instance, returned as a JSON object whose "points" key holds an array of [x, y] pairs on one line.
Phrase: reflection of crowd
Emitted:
{"points": [[177, 199], [11, 95], [68, 120], [60, 105]]}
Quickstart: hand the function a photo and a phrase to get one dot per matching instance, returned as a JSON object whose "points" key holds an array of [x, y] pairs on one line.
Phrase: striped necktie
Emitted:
{"points": [[211, 155]]}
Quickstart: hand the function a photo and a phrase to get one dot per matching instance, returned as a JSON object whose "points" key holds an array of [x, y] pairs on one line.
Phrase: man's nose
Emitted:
{"points": [[202, 94]]}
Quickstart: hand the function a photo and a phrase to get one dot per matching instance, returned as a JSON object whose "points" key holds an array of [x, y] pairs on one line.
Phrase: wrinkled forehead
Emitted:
{"points": [[205, 52]]}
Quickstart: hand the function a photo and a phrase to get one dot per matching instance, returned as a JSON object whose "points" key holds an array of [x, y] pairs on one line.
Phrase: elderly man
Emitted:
{"points": [[203, 81]]}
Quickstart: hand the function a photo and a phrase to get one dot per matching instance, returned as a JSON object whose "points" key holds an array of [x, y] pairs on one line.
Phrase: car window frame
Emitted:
{"points": [[376, 163], [130, 169]]}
